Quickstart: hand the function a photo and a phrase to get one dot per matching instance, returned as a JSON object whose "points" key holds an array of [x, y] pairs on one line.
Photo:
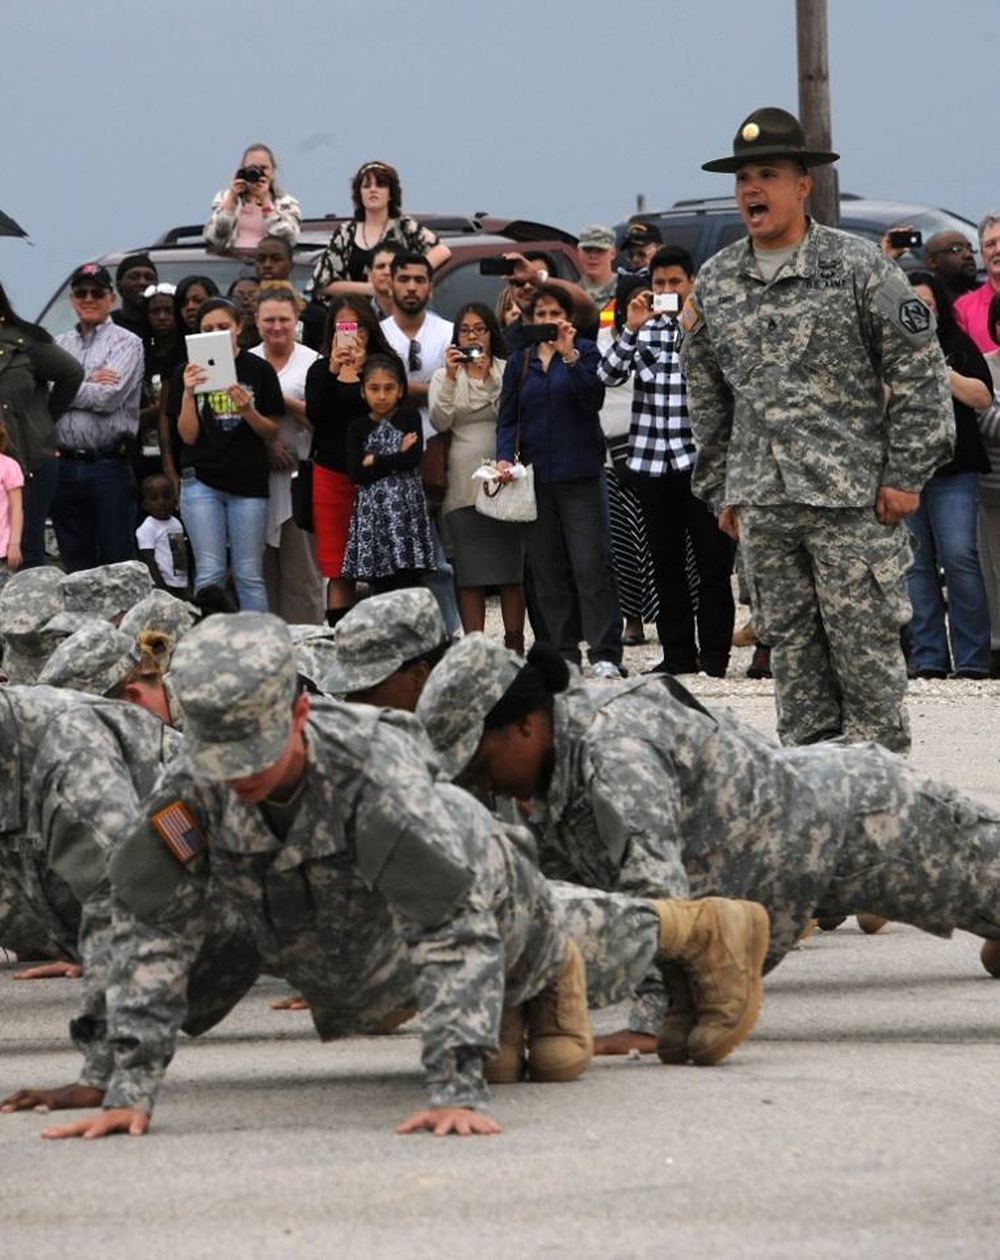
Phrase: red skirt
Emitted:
{"points": [[333, 499]]}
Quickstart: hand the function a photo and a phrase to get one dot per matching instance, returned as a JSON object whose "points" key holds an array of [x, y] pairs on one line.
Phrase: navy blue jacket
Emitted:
{"points": [[560, 415]]}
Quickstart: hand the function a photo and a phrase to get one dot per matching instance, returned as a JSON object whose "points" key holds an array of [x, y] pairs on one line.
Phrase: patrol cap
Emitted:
{"points": [[380, 634], [235, 679], [95, 658], [596, 236], [30, 598], [460, 692], [64, 623], [770, 133], [108, 590], [160, 613]]}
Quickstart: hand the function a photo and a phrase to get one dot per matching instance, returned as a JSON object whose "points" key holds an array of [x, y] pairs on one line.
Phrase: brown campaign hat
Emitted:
{"points": [[770, 133]]}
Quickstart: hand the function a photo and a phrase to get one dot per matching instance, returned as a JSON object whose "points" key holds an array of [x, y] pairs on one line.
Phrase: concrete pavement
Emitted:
{"points": [[861, 1119]]}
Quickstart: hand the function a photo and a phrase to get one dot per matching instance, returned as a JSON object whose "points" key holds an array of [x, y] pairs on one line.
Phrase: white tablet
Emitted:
{"points": [[214, 352]]}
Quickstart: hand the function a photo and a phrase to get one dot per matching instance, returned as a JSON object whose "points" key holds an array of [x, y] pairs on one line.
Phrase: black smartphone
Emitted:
{"points": [[906, 240], [497, 266], [535, 334]]}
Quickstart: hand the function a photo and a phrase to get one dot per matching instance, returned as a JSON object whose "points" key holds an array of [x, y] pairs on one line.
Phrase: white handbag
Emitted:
{"points": [[512, 500]]}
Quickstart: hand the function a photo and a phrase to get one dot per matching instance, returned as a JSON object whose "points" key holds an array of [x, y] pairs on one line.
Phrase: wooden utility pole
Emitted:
{"points": [[814, 105]]}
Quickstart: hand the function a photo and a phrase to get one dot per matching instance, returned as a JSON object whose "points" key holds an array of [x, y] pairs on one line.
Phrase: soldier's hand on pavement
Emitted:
{"points": [[729, 522], [293, 1002], [50, 971], [892, 506], [65, 1098], [128, 1120], [444, 1120]]}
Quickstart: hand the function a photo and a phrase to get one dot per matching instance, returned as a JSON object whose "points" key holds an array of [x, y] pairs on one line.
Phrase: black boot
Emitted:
{"points": [[333, 615]]}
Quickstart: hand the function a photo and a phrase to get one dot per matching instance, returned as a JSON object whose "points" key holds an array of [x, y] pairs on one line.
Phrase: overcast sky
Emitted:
{"points": [[125, 117]]}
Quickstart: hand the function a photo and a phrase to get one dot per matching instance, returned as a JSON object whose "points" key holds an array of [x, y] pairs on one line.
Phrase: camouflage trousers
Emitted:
{"points": [[913, 849], [618, 937], [827, 588]]}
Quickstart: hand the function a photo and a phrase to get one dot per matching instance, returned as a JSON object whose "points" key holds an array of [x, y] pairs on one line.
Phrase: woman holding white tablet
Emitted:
{"points": [[224, 463]]}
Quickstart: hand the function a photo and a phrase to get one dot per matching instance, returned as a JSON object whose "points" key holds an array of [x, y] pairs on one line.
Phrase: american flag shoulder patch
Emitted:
{"points": [[177, 828]]}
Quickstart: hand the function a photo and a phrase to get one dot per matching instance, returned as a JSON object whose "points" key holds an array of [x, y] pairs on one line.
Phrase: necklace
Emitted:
{"points": [[364, 236]]}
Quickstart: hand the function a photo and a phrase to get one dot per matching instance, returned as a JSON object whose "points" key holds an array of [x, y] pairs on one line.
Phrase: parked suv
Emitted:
{"points": [[182, 252], [703, 227]]}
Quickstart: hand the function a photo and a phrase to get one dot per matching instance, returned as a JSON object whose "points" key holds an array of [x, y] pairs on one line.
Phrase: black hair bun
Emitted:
{"points": [[552, 669]]}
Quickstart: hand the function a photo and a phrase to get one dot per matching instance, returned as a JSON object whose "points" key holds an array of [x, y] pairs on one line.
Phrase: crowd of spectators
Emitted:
{"points": [[597, 407]]}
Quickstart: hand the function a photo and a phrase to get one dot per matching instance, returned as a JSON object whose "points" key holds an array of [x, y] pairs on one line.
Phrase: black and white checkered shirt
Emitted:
{"points": [[660, 437]]}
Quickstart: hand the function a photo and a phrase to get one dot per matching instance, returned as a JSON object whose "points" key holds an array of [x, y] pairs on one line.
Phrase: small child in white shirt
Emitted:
{"points": [[160, 537]]}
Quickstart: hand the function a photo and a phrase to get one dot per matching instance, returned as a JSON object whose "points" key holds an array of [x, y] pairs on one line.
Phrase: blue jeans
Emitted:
{"points": [[944, 528], [39, 492], [213, 519], [94, 513]]}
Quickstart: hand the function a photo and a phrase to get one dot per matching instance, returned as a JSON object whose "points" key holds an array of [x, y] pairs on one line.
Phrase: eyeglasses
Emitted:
{"points": [[414, 362], [471, 330], [515, 283], [90, 293]]}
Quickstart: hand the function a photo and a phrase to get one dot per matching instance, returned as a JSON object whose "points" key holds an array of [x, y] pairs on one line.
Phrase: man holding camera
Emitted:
{"points": [[660, 460], [820, 406]]}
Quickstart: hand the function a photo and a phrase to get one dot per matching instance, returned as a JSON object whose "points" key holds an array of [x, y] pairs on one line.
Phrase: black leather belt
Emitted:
{"points": [[120, 450]]}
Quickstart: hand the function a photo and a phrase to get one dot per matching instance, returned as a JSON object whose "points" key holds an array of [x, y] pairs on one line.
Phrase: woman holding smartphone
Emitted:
{"points": [[333, 400], [224, 461], [464, 400]]}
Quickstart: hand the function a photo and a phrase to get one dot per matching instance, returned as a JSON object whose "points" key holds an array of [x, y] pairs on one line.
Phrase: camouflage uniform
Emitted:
{"points": [[374, 889], [379, 635], [807, 394], [656, 796], [108, 590], [28, 602]]}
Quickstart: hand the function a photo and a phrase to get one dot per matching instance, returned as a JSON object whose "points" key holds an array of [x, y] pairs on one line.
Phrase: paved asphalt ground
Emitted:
{"points": [[861, 1120]]}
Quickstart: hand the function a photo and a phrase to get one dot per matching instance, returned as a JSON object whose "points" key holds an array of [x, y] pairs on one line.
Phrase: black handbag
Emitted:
{"points": [[302, 496]]}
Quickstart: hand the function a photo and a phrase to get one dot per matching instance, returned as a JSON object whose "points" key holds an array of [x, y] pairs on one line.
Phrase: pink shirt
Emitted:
{"points": [[972, 312], [251, 226], [11, 478]]}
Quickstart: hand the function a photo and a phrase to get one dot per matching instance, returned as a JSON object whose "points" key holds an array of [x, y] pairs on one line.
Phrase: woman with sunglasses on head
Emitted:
{"points": [[253, 206], [378, 217], [31, 363], [464, 401], [224, 463]]}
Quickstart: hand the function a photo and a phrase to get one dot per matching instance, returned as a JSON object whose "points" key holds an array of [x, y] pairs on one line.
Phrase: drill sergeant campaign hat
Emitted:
{"points": [[460, 692], [108, 590], [379, 635], [96, 659], [235, 678], [770, 133]]}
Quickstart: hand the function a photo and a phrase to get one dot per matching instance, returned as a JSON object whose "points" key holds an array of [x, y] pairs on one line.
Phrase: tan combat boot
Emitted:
{"points": [[672, 1039], [560, 1043], [990, 957], [507, 1066], [721, 943]]}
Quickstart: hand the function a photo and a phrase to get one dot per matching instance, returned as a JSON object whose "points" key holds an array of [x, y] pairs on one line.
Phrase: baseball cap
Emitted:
{"points": [[91, 273], [235, 678], [642, 234], [380, 634], [460, 692]]}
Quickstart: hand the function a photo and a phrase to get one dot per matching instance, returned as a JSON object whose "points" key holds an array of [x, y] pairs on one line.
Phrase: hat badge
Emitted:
{"points": [[750, 132]]}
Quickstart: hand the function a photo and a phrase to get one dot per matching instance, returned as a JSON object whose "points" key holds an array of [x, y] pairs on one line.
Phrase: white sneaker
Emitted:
{"points": [[605, 669]]}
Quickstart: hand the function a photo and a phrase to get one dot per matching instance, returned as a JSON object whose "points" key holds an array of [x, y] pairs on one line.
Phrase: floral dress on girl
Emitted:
{"points": [[390, 530]]}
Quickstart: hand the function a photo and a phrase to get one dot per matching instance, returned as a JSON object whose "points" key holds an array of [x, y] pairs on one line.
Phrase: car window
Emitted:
{"points": [[730, 232], [686, 235], [464, 284], [58, 317]]}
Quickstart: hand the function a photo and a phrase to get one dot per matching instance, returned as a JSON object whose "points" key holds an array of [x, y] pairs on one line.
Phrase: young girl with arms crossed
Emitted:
{"points": [[389, 540]]}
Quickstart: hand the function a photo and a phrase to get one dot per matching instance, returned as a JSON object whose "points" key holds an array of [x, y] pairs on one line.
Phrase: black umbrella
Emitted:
{"points": [[9, 228]]}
